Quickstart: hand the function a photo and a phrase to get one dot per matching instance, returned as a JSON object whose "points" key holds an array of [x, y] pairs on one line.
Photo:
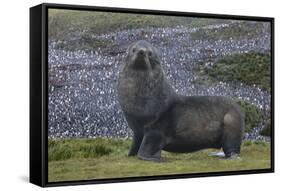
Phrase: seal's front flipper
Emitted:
{"points": [[153, 158], [151, 147], [137, 140]]}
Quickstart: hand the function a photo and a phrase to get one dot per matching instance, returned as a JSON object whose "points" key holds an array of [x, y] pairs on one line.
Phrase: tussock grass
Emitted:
{"points": [[112, 161], [250, 68], [82, 148], [267, 130], [253, 115]]}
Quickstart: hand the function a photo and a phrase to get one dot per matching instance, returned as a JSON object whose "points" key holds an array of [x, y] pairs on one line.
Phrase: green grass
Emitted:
{"points": [[250, 68], [65, 22], [234, 31], [266, 131], [69, 159], [253, 115], [75, 29]]}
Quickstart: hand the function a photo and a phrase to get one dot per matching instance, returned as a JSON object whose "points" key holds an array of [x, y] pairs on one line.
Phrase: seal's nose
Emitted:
{"points": [[141, 52]]}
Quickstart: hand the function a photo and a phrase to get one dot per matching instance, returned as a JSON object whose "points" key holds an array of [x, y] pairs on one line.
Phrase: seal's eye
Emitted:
{"points": [[134, 50], [149, 53]]}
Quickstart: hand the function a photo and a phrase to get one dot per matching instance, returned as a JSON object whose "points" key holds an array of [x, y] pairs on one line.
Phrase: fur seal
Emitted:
{"points": [[143, 90], [162, 120]]}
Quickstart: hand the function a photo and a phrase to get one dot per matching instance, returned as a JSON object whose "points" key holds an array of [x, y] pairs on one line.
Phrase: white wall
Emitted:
{"points": [[14, 80]]}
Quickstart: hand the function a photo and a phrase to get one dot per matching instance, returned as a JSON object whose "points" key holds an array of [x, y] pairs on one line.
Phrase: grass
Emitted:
{"points": [[75, 30], [267, 130], [69, 159], [62, 22], [65, 22], [250, 68], [253, 115], [234, 31]]}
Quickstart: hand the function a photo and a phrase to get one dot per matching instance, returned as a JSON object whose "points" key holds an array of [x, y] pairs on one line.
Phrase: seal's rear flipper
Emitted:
{"points": [[232, 156], [217, 154]]}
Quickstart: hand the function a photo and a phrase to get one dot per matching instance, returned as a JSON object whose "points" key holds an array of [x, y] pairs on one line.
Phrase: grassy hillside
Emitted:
{"points": [[75, 30], [67, 22], [63, 23], [82, 159], [250, 68]]}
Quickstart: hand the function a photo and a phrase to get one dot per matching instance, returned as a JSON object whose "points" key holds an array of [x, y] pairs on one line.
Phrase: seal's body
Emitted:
{"points": [[162, 120], [192, 123]]}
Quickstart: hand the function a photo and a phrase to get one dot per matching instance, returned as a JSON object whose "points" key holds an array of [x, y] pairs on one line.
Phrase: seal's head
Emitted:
{"points": [[141, 55]]}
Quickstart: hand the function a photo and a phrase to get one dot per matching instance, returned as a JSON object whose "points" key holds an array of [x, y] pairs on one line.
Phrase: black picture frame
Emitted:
{"points": [[39, 94]]}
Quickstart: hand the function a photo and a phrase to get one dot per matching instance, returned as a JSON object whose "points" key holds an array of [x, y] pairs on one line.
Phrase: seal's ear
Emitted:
{"points": [[129, 48], [157, 55]]}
